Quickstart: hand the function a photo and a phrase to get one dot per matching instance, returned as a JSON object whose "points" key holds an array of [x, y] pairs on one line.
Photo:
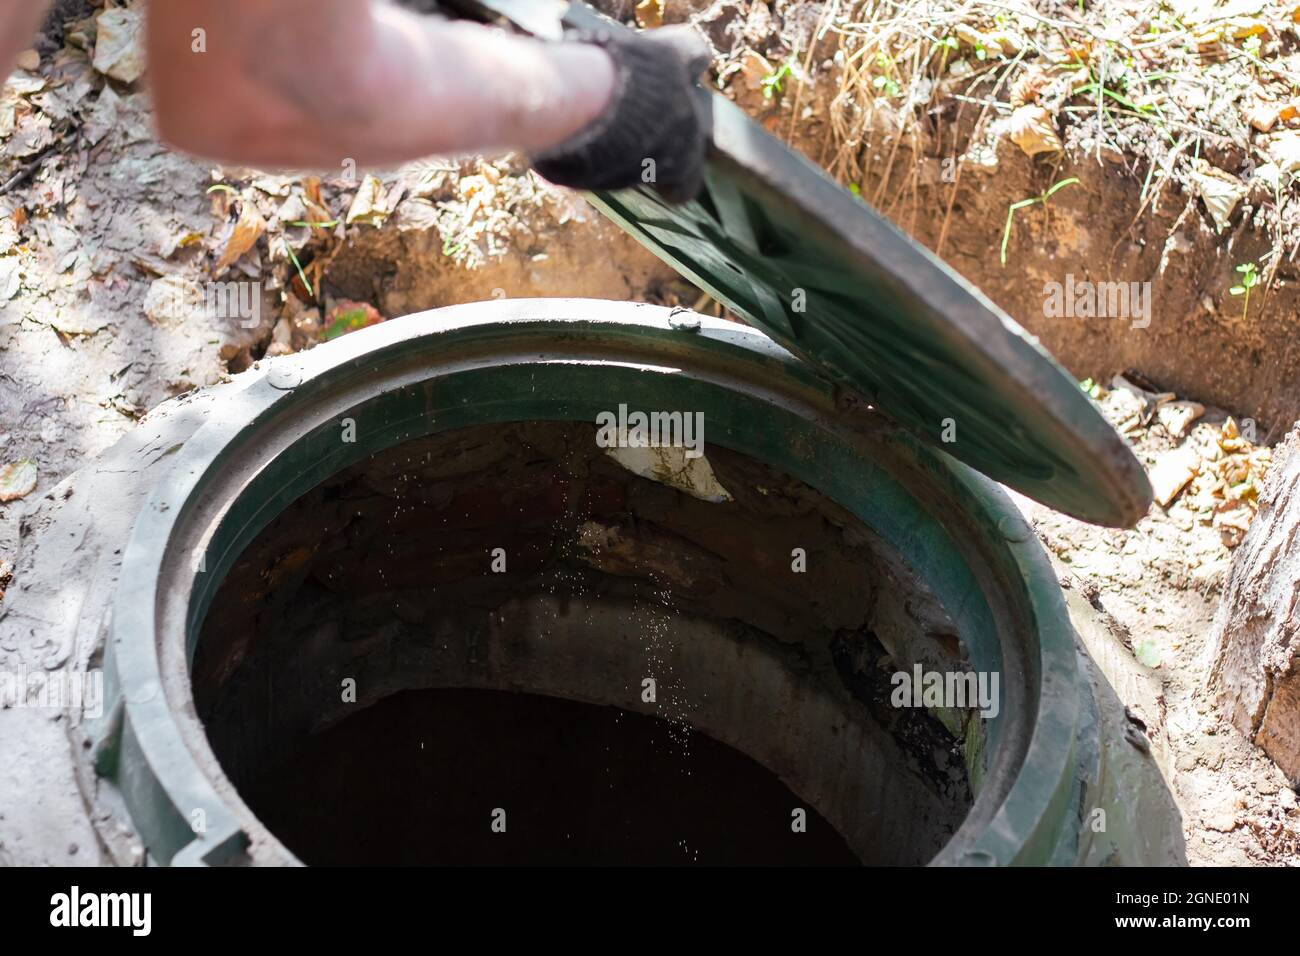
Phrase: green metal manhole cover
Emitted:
{"points": [[800, 257]]}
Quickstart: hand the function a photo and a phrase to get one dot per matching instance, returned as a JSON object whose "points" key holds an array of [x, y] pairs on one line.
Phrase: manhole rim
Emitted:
{"points": [[159, 770]]}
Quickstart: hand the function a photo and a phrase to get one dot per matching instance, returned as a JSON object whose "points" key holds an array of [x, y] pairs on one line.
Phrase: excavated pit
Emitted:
{"points": [[459, 634]]}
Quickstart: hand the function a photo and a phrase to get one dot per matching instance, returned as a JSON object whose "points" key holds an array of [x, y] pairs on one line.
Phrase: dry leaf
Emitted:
{"points": [[1171, 473], [1219, 190], [102, 117], [650, 14], [119, 48], [1206, 41], [180, 240], [1059, 50], [17, 480], [1006, 41], [1031, 128], [1194, 12], [1241, 27], [368, 205], [1177, 416], [245, 235], [317, 211], [1263, 116], [80, 33], [10, 278], [1284, 150], [1232, 520], [311, 189], [1029, 87], [22, 84], [32, 134], [999, 42]]}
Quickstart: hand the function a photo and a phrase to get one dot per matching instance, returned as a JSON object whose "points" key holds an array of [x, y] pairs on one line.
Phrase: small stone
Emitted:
{"points": [[28, 60], [281, 338], [1224, 821]]}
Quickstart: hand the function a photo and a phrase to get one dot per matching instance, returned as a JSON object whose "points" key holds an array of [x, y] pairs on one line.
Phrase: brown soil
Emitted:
{"points": [[918, 165], [1158, 586]]}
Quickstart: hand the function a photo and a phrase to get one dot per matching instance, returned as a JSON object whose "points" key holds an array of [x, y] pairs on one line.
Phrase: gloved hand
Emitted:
{"points": [[654, 114]]}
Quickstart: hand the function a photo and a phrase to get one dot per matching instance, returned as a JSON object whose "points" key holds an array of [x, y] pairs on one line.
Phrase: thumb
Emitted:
{"points": [[690, 48]]}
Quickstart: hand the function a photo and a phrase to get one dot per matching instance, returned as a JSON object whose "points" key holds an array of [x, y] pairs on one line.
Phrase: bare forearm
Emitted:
{"points": [[19, 21], [465, 87], [312, 82]]}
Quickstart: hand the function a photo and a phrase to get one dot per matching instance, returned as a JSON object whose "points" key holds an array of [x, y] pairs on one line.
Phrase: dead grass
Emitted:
{"points": [[1201, 94]]}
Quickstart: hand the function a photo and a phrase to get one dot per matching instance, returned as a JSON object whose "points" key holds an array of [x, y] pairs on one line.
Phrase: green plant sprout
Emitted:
{"points": [[1032, 200], [887, 85], [301, 275], [947, 45], [771, 83], [1249, 279], [884, 82]]}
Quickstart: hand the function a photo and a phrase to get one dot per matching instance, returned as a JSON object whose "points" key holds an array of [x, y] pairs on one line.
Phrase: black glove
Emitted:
{"points": [[654, 114]]}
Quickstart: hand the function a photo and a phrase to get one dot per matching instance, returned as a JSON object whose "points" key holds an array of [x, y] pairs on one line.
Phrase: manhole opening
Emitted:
{"points": [[468, 777], [503, 627]]}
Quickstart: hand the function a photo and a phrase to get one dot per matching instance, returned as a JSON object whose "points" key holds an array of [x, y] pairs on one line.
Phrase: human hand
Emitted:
{"points": [[652, 131]]}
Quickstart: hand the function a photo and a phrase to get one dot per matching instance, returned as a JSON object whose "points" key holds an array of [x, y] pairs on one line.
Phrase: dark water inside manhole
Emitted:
{"points": [[505, 617], [421, 776]]}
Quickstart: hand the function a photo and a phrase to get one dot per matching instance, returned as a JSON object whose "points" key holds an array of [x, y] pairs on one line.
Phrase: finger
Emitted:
{"points": [[687, 43]]}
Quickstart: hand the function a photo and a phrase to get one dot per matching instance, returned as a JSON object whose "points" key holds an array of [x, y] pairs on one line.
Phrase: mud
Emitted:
{"points": [[423, 772]]}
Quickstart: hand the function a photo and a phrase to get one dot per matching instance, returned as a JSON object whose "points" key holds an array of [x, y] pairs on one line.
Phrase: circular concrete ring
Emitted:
{"points": [[557, 359]]}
